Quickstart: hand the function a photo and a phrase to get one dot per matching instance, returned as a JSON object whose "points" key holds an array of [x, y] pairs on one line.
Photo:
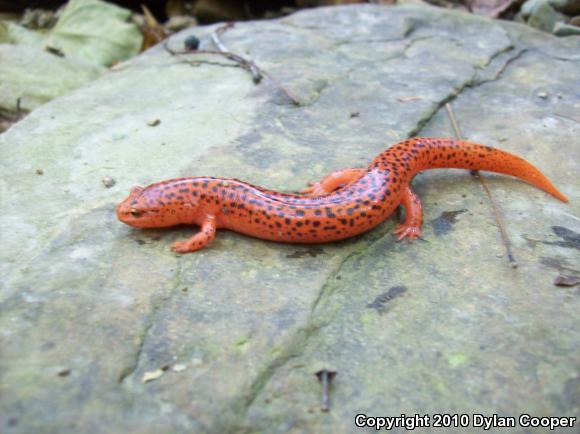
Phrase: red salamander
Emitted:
{"points": [[346, 203]]}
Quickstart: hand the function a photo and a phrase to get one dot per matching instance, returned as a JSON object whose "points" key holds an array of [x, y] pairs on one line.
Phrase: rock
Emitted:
{"points": [[541, 14], [19, 77], [84, 293], [561, 29], [179, 22]]}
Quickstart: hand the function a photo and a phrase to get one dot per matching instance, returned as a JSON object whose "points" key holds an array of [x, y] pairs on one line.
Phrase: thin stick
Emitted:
{"points": [[504, 235], [257, 73], [248, 64]]}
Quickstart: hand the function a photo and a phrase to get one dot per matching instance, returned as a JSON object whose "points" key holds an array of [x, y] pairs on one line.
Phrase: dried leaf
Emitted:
{"points": [[152, 375], [153, 32]]}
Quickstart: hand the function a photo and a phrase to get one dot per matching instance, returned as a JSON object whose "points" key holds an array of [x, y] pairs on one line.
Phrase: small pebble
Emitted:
{"points": [[108, 181], [192, 43], [543, 95], [39, 172], [179, 367], [154, 123]]}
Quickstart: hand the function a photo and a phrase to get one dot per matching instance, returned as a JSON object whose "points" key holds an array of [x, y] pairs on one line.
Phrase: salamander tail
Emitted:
{"points": [[440, 153], [499, 161]]}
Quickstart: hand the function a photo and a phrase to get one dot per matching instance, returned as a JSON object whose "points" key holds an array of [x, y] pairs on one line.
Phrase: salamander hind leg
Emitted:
{"points": [[199, 240], [411, 227], [334, 181]]}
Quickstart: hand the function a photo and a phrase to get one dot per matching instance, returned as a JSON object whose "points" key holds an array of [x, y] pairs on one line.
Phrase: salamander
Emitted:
{"points": [[347, 202]]}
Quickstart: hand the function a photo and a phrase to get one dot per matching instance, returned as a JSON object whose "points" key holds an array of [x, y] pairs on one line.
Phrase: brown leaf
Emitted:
{"points": [[153, 32]]}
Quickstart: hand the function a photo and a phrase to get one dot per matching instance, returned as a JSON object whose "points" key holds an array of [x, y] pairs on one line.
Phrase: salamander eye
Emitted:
{"points": [[135, 212]]}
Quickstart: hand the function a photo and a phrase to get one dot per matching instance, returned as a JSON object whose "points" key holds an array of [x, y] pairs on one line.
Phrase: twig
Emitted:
{"points": [[325, 376], [215, 37], [18, 109], [247, 64], [504, 236], [257, 73]]}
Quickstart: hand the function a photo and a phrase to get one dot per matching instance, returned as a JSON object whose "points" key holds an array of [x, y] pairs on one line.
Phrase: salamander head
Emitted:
{"points": [[152, 207]]}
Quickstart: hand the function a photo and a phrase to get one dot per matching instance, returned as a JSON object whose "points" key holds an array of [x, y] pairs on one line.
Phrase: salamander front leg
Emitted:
{"points": [[411, 227], [199, 240], [334, 181]]}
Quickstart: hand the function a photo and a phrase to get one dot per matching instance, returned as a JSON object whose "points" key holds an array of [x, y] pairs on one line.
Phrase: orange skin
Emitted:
{"points": [[346, 203]]}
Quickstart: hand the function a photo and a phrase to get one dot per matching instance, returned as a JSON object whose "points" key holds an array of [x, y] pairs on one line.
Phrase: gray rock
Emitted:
{"points": [[98, 320], [561, 29], [541, 14], [20, 76]]}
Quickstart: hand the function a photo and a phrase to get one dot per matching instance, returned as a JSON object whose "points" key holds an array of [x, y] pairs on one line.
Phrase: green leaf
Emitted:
{"points": [[95, 32]]}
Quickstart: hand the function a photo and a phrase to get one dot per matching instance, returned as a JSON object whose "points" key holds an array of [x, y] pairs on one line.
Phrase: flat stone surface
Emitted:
{"points": [[20, 77], [104, 330]]}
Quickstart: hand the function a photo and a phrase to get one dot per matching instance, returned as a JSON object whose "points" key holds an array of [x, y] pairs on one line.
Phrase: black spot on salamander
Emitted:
{"points": [[444, 223]]}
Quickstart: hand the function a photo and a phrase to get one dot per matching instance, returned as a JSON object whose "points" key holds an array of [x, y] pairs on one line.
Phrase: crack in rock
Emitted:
{"points": [[159, 303], [233, 418], [471, 83]]}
